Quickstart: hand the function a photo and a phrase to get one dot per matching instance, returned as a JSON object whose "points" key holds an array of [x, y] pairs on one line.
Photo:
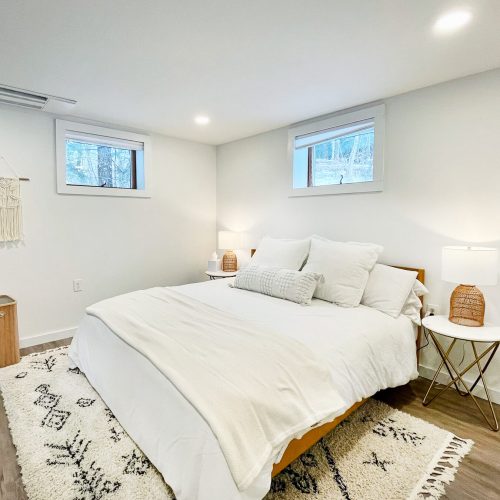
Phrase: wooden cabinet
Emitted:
{"points": [[9, 341]]}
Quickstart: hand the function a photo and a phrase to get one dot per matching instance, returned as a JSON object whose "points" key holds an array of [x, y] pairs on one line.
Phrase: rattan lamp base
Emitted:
{"points": [[229, 262], [467, 306]]}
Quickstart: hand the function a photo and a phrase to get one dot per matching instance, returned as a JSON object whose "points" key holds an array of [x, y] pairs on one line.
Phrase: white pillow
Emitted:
{"points": [[378, 248], [285, 284], [345, 268], [419, 289], [284, 254], [413, 305], [388, 288]]}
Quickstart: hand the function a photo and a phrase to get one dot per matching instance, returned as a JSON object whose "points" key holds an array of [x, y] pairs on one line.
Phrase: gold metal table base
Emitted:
{"points": [[450, 367]]}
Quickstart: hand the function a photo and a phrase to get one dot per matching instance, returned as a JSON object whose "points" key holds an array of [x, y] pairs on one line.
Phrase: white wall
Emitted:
{"points": [[114, 244], [442, 186]]}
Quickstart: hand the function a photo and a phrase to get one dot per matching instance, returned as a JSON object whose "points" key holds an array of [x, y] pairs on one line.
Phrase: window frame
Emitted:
{"points": [[375, 113], [64, 126]]}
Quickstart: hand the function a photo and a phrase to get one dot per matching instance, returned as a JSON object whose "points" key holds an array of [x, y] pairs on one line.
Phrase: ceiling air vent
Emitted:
{"points": [[32, 100]]}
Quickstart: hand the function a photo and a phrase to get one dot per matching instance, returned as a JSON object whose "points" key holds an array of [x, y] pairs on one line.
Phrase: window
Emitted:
{"points": [[99, 161], [341, 154], [103, 162]]}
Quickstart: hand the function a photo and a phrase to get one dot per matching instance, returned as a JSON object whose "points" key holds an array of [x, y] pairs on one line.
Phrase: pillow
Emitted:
{"points": [[388, 288], [285, 284], [419, 289], [413, 305], [378, 248], [284, 254], [345, 268]]}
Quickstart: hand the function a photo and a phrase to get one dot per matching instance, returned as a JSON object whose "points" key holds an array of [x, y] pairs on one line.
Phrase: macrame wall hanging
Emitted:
{"points": [[11, 220]]}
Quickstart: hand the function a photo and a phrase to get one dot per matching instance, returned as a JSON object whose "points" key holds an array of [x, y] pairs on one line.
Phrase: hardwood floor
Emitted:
{"points": [[477, 477], [479, 472]]}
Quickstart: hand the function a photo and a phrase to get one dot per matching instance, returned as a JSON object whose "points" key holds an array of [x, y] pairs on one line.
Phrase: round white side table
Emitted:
{"points": [[214, 275], [485, 334]]}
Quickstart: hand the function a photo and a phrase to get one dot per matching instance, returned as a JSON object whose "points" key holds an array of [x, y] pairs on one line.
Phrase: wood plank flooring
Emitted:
{"points": [[479, 474], [477, 478]]}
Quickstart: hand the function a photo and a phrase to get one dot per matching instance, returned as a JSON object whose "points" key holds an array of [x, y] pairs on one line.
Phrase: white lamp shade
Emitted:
{"points": [[470, 265], [229, 240]]}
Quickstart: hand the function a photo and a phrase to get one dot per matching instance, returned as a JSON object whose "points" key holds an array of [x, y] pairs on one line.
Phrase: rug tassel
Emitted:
{"points": [[445, 468]]}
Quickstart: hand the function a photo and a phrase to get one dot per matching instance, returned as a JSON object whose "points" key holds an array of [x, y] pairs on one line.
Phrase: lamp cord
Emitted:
{"points": [[426, 334], [427, 342]]}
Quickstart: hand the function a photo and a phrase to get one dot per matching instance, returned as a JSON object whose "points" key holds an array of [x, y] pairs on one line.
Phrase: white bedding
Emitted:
{"points": [[219, 363], [366, 351]]}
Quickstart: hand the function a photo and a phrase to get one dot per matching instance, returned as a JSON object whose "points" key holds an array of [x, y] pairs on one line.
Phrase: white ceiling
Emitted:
{"points": [[251, 65]]}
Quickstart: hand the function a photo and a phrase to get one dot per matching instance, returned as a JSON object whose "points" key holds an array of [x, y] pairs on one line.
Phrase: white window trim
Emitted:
{"points": [[377, 113], [63, 126]]}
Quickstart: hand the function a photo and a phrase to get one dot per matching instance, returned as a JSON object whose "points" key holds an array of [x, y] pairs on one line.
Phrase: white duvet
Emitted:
{"points": [[257, 390], [365, 349]]}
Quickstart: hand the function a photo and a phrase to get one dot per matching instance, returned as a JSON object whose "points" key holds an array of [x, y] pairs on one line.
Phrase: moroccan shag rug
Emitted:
{"points": [[70, 446]]}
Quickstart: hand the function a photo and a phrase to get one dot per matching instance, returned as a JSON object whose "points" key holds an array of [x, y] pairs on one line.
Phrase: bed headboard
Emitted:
{"points": [[420, 272], [421, 278]]}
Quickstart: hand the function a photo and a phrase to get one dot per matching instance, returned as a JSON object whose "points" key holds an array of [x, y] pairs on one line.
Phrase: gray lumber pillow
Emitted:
{"points": [[285, 284]]}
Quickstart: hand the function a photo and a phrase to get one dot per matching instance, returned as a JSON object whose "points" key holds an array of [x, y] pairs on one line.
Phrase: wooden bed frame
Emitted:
{"points": [[298, 446]]}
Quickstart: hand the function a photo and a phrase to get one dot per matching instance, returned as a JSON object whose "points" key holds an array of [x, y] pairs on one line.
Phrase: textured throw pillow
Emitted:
{"points": [[413, 305], [285, 254], [285, 284], [345, 268], [387, 289]]}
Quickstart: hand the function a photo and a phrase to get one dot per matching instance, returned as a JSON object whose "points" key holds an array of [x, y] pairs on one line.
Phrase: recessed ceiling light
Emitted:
{"points": [[452, 21], [201, 120]]}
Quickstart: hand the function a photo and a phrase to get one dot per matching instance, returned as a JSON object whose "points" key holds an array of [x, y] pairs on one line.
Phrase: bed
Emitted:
{"points": [[366, 351]]}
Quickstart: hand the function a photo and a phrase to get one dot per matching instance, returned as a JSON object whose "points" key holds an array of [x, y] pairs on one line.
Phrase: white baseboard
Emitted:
{"points": [[444, 378], [46, 337]]}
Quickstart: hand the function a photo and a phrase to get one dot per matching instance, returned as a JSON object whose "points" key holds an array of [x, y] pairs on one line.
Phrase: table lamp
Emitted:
{"points": [[229, 241], [469, 266]]}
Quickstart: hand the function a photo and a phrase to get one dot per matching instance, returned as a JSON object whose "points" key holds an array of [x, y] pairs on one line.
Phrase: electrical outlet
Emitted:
{"points": [[432, 309], [78, 285]]}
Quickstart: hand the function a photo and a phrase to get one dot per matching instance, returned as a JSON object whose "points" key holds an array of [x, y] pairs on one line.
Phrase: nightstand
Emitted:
{"points": [[214, 275], [9, 341], [485, 334]]}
